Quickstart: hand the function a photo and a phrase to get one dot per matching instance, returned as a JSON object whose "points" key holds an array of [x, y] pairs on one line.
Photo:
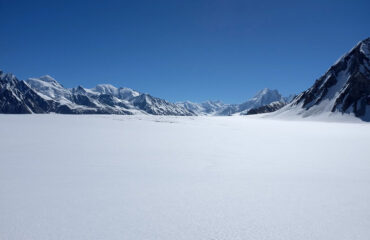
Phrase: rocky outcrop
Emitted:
{"points": [[272, 107]]}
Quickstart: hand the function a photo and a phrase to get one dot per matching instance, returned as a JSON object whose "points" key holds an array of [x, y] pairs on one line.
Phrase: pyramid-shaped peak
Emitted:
{"points": [[266, 91], [344, 88], [79, 89]]}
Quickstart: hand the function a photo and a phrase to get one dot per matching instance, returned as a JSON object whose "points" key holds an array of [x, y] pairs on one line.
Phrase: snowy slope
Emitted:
{"points": [[343, 89], [158, 177], [204, 108], [121, 93], [49, 88]]}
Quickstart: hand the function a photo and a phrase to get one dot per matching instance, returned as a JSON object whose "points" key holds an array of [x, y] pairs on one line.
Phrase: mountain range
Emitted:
{"points": [[344, 89], [45, 95]]}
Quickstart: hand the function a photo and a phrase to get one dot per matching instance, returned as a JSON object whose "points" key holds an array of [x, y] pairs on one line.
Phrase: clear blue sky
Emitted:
{"points": [[180, 50]]}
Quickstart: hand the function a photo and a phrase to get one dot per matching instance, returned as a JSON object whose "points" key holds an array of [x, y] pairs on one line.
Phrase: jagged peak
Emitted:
{"points": [[79, 89], [9, 77], [362, 47]]}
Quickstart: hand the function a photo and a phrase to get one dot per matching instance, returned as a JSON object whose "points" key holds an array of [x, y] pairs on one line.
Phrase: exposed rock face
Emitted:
{"points": [[344, 88], [272, 107]]}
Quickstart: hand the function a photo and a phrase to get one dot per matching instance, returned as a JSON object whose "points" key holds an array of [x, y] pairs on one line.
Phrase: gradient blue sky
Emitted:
{"points": [[181, 50]]}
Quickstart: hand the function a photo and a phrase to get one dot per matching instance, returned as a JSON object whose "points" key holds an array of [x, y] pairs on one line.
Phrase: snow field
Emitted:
{"points": [[146, 177]]}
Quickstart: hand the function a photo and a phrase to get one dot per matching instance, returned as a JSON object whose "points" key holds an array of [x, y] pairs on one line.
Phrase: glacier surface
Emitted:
{"points": [[160, 177]]}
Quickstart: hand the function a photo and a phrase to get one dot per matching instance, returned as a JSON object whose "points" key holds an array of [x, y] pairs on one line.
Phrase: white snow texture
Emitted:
{"points": [[164, 178]]}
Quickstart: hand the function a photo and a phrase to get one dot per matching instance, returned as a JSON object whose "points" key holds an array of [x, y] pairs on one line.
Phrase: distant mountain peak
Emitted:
{"points": [[266, 91], [263, 97]]}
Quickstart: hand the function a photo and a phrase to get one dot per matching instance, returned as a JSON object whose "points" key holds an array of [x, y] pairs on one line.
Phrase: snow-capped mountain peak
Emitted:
{"points": [[7, 77], [262, 92], [266, 96], [344, 88], [48, 87]]}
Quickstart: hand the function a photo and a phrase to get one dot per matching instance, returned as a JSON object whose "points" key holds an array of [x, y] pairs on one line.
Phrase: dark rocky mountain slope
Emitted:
{"points": [[344, 88]]}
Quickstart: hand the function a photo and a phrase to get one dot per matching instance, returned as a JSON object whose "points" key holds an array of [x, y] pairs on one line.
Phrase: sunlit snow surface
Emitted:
{"points": [[144, 177]]}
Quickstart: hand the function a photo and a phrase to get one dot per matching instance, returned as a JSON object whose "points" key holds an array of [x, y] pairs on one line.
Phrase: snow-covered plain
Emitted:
{"points": [[145, 177]]}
